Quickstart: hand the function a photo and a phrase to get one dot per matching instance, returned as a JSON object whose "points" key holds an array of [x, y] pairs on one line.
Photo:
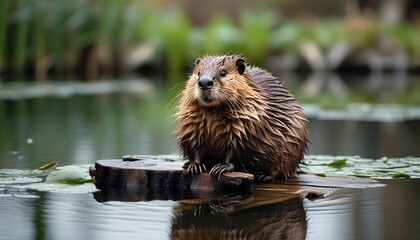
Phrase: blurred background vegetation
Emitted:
{"points": [[92, 38]]}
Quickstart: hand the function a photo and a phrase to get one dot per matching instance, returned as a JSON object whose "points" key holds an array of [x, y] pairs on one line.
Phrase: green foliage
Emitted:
{"points": [[220, 36], [383, 168], [48, 166], [143, 22], [338, 163], [4, 9], [289, 36], [405, 35], [256, 29], [329, 32], [97, 35], [175, 30], [21, 33], [401, 176]]}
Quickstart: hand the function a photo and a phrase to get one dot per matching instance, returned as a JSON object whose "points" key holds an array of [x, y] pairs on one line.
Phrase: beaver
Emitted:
{"points": [[237, 117]]}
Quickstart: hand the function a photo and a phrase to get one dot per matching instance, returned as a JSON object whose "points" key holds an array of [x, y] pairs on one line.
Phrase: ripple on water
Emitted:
{"points": [[110, 220]]}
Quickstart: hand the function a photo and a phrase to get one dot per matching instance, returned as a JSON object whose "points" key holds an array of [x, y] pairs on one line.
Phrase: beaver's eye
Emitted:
{"points": [[223, 73]]}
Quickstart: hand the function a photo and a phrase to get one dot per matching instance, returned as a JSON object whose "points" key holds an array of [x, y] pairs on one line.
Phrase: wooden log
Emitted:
{"points": [[118, 173], [138, 178], [141, 180], [209, 186]]}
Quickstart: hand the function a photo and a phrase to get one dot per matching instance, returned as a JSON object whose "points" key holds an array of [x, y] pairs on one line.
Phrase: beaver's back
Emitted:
{"points": [[285, 130]]}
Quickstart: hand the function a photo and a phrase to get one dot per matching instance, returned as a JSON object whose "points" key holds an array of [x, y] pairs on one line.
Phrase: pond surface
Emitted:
{"points": [[389, 212], [76, 126]]}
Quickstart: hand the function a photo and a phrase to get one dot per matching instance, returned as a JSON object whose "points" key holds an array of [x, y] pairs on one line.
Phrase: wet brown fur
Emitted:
{"points": [[251, 122]]}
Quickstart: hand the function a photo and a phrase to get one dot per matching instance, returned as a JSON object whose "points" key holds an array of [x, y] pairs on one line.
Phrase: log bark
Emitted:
{"points": [[140, 179]]}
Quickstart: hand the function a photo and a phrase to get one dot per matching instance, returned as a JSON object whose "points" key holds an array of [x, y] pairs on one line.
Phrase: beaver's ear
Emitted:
{"points": [[197, 61], [240, 65], [195, 67]]}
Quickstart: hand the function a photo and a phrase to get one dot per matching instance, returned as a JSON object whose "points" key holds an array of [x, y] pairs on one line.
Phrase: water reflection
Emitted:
{"points": [[374, 213], [366, 139], [262, 215], [389, 212], [240, 217], [334, 89], [82, 129], [141, 193]]}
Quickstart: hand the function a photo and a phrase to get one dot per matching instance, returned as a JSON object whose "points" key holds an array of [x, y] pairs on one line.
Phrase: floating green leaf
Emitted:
{"points": [[320, 174], [76, 181], [48, 166], [401, 176], [338, 163], [382, 168], [361, 176], [67, 177]]}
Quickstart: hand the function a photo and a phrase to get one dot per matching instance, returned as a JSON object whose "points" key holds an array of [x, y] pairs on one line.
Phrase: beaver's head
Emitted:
{"points": [[218, 79]]}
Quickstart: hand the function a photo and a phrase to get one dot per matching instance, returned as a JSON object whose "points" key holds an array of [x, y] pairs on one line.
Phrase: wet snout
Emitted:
{"points": [[205, 83]]}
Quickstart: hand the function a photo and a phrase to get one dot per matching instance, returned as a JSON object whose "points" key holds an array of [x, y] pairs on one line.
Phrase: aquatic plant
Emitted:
{"points": [[220, 36], [382, 168], [97, 37], [289, 37], [406, 36], [175, 30], [4, 9], [256, 28]]}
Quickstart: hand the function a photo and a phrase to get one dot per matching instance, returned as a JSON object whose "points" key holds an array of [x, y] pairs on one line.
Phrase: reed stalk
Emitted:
{"points": [[4, 9], [21, 34]]}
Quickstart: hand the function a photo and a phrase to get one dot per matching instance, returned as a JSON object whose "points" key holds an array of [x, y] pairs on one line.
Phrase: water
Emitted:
{"points": [[378, 213], [79, 129]]}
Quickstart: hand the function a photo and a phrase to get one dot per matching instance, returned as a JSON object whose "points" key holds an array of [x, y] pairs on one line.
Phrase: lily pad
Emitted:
{"points": [[338, 163], [364, 112], [401, 176], [382, 168], [48, 166], [63, 188], [67, 177], [361, 176], [17, 176]]}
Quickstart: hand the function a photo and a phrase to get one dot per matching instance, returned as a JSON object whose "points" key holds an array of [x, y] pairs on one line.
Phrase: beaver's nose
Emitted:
{"points": [[205, 83]]}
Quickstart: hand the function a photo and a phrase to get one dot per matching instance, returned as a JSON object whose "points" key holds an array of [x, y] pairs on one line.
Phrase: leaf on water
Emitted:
{"points": [[382, 168], [338, 163], [48, 166], [63, 188], [361, 176], [320, 174], [401, 176], [76, 181], [67, 177]]}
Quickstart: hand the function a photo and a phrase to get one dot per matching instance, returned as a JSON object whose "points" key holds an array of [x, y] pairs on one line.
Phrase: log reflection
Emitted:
{"points": [[241, 217]]}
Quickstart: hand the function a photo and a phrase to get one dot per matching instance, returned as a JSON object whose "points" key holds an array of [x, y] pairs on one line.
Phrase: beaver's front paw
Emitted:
{"points": [[263, 178], [194, 168], [221, 168]]}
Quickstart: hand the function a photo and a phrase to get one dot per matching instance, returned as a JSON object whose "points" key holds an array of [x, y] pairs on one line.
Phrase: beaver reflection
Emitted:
{"points": [[240, 219]]}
